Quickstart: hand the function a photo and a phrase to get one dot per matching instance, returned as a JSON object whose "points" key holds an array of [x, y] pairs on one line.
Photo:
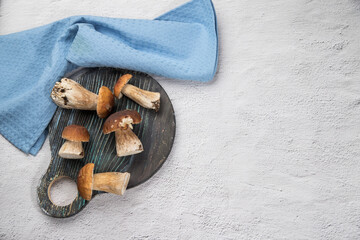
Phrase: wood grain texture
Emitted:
{"points": [[156, 131]]}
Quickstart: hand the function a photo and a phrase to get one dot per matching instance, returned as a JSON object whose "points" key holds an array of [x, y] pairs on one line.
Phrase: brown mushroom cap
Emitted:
{"points": [[76, 133], [113, 122], [120, 84], [85, 181], [105, 102]]}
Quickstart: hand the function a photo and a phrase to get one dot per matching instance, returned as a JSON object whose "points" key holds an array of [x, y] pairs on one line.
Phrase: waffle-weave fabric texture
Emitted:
{"points": [[180, 44]]}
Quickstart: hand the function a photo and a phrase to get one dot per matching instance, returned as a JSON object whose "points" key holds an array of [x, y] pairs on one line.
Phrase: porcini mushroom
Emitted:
{"points": [[127, 143], [144, 98], [71, 95], [72, 147], [111, 182]]}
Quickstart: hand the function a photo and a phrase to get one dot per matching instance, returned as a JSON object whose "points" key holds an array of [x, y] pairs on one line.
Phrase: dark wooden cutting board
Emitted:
{"points": [[156, 131]]}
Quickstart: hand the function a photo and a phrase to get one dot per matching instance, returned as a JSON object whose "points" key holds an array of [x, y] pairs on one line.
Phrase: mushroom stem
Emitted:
{"points": [[111, 182], [144, 98], [127, 143], [71, 150], [71, 95]]}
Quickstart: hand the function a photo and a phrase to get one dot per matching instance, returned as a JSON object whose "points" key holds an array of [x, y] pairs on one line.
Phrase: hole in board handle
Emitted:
{"points": [[62, 191]]}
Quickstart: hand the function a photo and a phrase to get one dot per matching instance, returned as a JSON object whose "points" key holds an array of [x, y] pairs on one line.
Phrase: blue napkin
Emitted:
{"points": [[180, 44]]}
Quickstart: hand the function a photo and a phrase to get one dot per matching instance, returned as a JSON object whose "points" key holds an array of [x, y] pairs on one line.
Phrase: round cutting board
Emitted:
{"points": [[156, 131]]}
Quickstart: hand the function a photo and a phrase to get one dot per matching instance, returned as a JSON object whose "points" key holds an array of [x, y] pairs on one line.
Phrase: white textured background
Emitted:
{"points": [[268, 150]]}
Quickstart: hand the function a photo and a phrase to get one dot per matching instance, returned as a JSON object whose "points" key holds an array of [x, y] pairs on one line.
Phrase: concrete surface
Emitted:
{"points": [[268, 150]]}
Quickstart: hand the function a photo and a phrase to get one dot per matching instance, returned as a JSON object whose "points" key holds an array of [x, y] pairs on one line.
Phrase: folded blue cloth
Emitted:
{"points": [[180, 44]]}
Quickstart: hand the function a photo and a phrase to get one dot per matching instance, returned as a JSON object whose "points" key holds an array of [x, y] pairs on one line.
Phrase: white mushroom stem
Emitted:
{"points": [[71, 95], [71, 150], [127, 143], [144, 98], [111, 182]]}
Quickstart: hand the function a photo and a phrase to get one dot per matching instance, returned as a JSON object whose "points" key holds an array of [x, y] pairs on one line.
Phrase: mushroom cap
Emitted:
{"points": [[116, 120], [105, 102], [120, 84], [85, 181], [76, 133]]}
